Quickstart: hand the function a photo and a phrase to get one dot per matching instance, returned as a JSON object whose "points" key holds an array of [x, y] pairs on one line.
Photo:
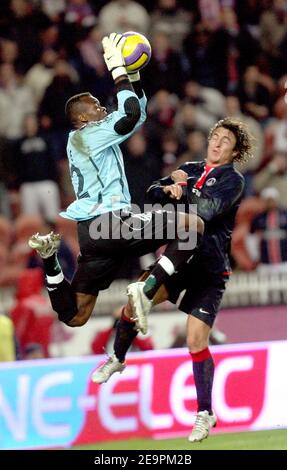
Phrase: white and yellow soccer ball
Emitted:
{"points": [[136, 51]]}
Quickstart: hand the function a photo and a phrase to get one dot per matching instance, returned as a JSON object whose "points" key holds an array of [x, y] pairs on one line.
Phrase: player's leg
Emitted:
{"points": [[203, 372], [126, 331], [72, 307], [187, 238]]}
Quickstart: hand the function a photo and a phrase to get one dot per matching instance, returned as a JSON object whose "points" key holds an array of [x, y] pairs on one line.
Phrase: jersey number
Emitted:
{"points": [[80, 185]]}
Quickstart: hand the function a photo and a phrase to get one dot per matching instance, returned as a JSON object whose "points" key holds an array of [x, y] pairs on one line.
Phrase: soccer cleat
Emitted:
{"points": [[45, 245], [104, 372], [140, 304], [203, 424]]}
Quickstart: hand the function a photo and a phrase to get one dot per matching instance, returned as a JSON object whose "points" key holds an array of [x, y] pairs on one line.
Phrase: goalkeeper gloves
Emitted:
{"points": [[113, 54]]}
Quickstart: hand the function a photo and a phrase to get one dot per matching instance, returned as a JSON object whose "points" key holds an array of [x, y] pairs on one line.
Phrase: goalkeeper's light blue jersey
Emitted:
{"points": [[96, 164]]}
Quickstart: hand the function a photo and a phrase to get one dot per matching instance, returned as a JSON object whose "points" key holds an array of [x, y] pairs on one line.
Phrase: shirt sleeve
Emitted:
{"points": [[119, 125]]}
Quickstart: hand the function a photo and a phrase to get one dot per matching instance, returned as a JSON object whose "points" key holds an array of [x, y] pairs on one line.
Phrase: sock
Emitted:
{"points": [[156, 279], [52, 265], [166, 266], [203, 371], [125, 334], [62, 296]]}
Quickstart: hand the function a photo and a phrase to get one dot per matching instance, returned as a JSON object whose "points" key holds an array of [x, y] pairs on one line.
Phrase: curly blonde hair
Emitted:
{"points": [[244, 140]]}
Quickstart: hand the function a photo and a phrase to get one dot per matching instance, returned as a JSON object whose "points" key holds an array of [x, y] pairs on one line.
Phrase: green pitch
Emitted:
{"points": [[259, 440]]}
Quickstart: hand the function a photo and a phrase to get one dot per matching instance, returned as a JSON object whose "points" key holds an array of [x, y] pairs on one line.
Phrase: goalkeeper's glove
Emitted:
{"points": [[134, 77], [113, 54]]}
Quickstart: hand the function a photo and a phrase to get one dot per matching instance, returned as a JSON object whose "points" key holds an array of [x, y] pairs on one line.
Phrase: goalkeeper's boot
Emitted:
{"points": [[140, 304], [45, 245], [202, 426], [104, 372]]}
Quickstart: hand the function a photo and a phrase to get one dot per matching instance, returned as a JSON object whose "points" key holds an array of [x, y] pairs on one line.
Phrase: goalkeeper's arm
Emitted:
{"points": [[135, 80]]}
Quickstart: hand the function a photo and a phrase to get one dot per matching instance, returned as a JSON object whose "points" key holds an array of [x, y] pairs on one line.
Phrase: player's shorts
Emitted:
{"points": [[203, 290], [107, 240]]}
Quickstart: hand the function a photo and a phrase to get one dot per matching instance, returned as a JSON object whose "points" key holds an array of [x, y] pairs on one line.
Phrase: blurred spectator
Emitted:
{"points": [[24, 22], [41, 74], [196, 148], [32, 313], [33, 351], [37, 173], [197, 47], [188, 120], [272, 31], [166, 67], [171, 18], [9, 51], [162, 109], [79, 12], [16, 100], [255, 94], [91, 66], [7, 339], [274, 175], [233, 49], [51, 110], [170, 150], [208, 102], [275, 132], [249, 167], [6, 172], [267, 241], [122, 16], [104, 340], [53, 9]]}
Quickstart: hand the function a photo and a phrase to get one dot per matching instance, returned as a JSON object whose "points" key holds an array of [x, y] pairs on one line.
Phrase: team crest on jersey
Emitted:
{"points": [[210, 182]]}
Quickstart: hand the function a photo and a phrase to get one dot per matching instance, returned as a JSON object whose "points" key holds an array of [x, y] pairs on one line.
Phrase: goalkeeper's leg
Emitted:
{"points": [[73, 308]]}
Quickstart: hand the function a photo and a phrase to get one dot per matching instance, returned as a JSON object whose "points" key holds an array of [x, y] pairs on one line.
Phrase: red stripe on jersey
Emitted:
{"points": [[200, 182]]}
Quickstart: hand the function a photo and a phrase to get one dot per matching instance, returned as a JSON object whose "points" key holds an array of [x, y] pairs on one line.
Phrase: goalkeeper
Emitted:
{"points": [[107, 230]]}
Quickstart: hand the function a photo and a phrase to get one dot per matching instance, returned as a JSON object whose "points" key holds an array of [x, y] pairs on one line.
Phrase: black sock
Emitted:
{"points": [[52, 265], [63, 299], [125, 334], [177, 256], [203, 372]]}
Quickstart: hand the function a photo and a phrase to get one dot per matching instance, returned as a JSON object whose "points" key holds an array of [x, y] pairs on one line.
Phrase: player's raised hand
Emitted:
{"points": [[174, 191], [112, 46]]}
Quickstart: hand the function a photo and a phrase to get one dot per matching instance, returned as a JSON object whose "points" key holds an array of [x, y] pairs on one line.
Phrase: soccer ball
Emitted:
{"points": [[136, 51]]}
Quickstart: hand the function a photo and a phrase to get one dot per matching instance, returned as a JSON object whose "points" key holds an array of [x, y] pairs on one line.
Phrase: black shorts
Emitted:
{"points": [[122, 234], [203, 290]]}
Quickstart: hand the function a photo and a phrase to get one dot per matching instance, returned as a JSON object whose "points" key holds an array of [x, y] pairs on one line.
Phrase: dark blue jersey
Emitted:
{"points": [[217, 194]]}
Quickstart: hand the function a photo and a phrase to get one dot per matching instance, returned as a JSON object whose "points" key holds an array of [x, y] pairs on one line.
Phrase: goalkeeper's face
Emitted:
{"points": [[91, 109], [221, 146]]}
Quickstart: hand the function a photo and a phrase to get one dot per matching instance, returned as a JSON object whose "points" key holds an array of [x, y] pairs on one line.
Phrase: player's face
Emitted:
{"points": [[93, 109], [220, 149]]}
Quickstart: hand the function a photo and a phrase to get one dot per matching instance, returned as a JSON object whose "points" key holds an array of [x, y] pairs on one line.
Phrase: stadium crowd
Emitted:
{"points": [[211, 58]]}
